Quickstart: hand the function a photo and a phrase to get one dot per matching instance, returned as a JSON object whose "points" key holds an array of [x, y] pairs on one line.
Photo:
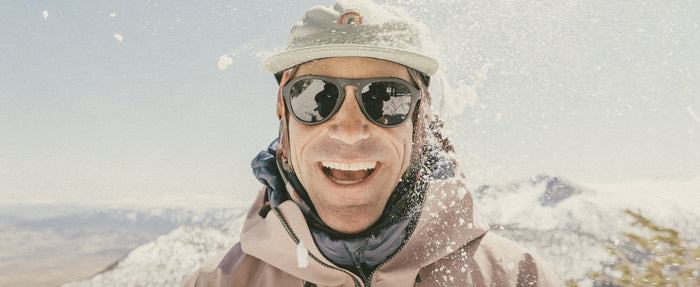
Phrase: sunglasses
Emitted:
{"points": [[387, 102]]}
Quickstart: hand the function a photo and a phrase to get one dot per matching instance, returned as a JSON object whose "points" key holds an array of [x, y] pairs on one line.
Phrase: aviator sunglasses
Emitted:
{"points": [[387, 102]]}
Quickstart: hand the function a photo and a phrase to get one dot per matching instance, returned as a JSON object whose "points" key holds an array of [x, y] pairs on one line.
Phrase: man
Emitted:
{"points": [[360, 189]]}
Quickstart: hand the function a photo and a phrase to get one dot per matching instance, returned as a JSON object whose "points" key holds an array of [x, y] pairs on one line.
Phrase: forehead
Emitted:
{"points": [[354, 68]]}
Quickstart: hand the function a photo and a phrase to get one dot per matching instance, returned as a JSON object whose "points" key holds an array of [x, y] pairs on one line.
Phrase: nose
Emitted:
{"points": [[349, 125]]}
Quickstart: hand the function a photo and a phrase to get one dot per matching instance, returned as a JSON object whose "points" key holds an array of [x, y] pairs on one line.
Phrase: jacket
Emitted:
{"points": [[450, 246]]}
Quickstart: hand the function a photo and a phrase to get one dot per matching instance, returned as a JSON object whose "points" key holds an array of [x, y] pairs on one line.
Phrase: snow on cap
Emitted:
{"points": [[355, 29]]}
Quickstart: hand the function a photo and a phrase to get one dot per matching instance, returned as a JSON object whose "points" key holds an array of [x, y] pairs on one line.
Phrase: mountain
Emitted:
{"points": [[169, 259], [48, 245], [570, 225], [567, 224]]}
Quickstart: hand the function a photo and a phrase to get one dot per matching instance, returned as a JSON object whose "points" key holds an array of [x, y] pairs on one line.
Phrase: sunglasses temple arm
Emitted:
{"points": [[418, 79]]}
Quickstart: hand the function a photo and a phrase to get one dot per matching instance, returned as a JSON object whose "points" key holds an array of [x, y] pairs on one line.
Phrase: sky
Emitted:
{"points": [[154, 102]]}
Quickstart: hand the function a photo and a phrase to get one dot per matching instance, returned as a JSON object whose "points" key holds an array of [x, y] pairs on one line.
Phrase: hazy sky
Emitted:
{"points": [[125, 101]]}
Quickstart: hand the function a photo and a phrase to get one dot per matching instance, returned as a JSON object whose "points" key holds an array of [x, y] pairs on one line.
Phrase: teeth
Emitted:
{"points": [[350, 166]]}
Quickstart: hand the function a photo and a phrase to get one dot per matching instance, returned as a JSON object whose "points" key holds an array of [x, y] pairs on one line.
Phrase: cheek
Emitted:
{"points": [[299, 137], [294, 143]]}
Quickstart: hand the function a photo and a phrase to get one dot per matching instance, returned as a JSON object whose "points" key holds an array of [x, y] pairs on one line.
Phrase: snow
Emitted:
{"points": [[455, 100], [692, 114], [225, 61], [302, 255]]}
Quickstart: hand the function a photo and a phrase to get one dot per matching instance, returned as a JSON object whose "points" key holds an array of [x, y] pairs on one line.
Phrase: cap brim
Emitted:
{"points": [[291, 58]]}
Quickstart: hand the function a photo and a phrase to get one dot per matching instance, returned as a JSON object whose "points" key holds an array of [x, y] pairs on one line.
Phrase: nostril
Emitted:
{"points": [[349, 129]]}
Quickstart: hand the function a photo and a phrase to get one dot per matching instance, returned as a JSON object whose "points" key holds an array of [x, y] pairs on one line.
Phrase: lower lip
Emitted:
{"points": [[347, 182]]}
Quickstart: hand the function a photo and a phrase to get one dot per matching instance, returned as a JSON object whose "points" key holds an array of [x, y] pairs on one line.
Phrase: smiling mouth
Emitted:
{"points": [[348, 173]]}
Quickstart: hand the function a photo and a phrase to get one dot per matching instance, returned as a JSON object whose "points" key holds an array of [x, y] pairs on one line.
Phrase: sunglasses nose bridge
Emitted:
{"points": [[356, 91], [349, 123], [351, 90]]}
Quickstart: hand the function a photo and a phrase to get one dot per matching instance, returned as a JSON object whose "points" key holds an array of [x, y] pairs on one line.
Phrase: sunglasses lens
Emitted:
{"points": [[312, 100], [387, 102]]}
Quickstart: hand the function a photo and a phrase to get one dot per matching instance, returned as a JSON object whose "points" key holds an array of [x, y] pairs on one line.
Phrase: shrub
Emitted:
{"points": [[662, 258]]}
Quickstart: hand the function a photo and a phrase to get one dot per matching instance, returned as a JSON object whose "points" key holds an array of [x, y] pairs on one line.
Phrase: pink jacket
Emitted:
{"points": [[449, 247]]}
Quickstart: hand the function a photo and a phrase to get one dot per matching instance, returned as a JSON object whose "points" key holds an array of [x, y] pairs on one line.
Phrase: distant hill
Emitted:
{"points": [[48, 245]]}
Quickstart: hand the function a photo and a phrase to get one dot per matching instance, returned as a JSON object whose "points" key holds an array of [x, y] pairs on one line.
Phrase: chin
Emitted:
{"points": [[355, 225]]}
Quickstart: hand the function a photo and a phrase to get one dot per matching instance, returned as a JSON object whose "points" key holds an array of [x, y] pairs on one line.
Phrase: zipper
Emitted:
{"points": [[357, 260], [362, 274], [296, 241]]}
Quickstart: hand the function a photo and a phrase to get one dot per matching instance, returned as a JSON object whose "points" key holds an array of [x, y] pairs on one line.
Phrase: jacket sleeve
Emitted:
{"points": [[219, 271], [236, 268]]}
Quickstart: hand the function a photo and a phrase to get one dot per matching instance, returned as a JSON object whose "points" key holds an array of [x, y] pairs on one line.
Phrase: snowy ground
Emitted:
{"points": [[567, 224]]}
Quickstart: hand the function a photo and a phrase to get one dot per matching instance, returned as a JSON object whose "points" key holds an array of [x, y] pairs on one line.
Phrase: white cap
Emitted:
{"points": [[359, 28]]}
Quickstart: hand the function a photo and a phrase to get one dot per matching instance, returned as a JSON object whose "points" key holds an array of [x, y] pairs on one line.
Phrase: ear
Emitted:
{"points": [[283, 150]]}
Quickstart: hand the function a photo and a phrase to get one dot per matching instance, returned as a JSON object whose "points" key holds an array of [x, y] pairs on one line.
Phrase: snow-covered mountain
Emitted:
{"points": [[570, 225], [169, 259], [567, 224], [47, 245]]}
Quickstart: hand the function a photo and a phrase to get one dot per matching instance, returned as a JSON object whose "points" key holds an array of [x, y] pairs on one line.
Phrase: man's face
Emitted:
{"points": [[330, 158]]}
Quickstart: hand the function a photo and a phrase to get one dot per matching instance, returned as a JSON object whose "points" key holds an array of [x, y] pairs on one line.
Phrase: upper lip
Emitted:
{"points": [[349, 166]]}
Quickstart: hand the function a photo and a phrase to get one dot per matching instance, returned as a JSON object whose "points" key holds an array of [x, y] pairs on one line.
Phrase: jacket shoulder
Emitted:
{"points": [[528, 268], [490, 260], [235, 268]]}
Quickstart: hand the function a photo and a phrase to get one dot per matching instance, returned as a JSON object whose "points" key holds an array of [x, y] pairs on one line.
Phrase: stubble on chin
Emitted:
{"points": [[351, 219]]}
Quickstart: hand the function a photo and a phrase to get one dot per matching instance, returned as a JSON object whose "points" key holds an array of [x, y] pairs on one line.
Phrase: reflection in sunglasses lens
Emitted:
{"points": [[313, 100], [387, 102]]}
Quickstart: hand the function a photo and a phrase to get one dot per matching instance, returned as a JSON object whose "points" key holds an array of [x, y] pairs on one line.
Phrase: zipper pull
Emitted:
{"points": [[356, 255], [358, 266]]}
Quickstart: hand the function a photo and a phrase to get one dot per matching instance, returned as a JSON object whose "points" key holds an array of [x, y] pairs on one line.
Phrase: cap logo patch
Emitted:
{"points": [[351, 18]]}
